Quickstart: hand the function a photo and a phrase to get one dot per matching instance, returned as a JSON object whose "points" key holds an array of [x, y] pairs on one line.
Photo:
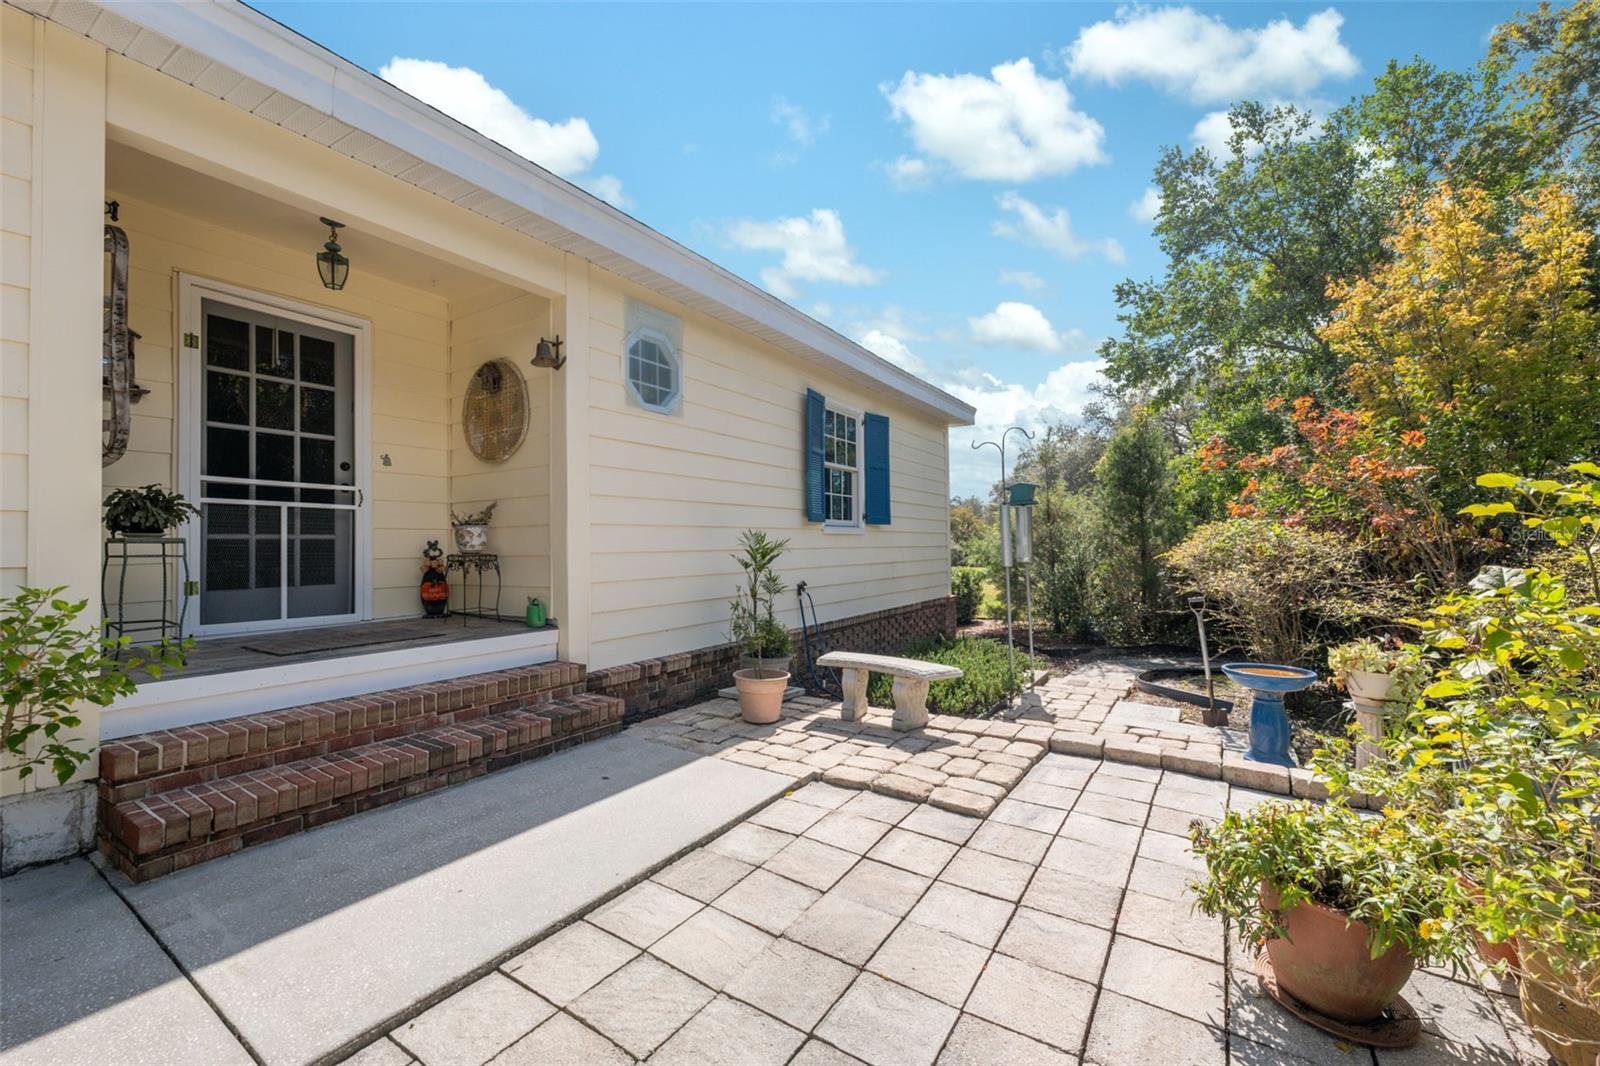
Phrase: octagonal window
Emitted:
{"points": [[652, 370]]}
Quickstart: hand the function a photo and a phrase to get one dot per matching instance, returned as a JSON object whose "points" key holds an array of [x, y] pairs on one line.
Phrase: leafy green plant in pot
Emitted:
{"points": [[148, 511], [753, 624], [1502, 754], [1382, 681], [1345, 906]]}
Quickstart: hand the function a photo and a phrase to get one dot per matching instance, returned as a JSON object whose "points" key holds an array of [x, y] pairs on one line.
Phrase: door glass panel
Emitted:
{"points": [[316, 410], [274, 404], [227, 342], [286, 415]]}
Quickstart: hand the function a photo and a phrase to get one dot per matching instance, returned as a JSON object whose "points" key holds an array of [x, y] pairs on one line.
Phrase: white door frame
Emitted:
{"points": [[192, 290]]}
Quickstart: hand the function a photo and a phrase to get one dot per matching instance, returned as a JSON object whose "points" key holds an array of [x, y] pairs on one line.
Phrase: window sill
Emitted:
{"points": [[831, 528]]}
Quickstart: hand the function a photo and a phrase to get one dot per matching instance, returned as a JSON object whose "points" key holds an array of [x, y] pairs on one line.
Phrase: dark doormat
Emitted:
{"points": [[340, 638]]}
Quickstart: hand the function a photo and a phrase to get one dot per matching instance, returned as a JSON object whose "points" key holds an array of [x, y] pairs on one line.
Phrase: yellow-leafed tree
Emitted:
{"points": [[1481, 330]]}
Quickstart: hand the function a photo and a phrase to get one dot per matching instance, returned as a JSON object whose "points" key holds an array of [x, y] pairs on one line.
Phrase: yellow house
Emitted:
{"points": [[328, 428]]}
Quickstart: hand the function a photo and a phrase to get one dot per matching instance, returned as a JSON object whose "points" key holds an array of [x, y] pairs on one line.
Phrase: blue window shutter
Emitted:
{"points": [[816, 408], [876, 429]]}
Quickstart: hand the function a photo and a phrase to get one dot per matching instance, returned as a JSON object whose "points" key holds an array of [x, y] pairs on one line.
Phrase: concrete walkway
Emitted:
{"points": [[311, 946], [839, 927]]}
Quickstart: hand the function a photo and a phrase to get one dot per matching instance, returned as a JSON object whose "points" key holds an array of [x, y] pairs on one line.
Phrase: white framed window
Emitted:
{"points": [[841, 468], [652, 370]]}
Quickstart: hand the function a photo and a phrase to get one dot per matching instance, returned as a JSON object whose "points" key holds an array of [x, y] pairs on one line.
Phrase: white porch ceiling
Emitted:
{"points": [[283, 78]]}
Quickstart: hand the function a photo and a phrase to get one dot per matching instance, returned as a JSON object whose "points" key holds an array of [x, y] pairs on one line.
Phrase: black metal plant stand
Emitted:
{"points": [[477, 563], [164, 551]]}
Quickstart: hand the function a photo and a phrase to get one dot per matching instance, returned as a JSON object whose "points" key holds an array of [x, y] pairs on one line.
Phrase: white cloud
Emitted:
{"points": [[568, 148], [1147, 206], [1011, 126], [1022, 279], [909, 172], [1058, 398], [1013, 324], [893, 349], [1203, 58], [1212, 133], [609, 188], [814, 249], [802, 127], [1051, 230]]}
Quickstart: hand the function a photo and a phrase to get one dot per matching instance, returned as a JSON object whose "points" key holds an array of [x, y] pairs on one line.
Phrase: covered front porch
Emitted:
{"points": [[327, 435]]}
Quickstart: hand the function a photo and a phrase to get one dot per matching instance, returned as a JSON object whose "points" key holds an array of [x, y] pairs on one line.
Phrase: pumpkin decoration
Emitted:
{"points": [[435, 589]]}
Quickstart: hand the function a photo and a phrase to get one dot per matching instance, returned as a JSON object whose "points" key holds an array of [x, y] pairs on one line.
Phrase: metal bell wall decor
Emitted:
{"points": [[435, 589], [548, 354], [494, 412]]}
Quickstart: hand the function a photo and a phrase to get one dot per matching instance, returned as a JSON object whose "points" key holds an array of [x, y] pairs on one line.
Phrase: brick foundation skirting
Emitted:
{"points": [[651, 686]]}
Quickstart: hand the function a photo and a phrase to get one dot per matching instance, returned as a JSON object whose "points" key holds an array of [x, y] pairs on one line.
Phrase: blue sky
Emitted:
{"points": [[959, 187]]}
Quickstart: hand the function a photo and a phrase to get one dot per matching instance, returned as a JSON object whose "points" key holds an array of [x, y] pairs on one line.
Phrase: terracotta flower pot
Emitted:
{"points": [[1325, 962], [1567, 1025], [760, 695]]}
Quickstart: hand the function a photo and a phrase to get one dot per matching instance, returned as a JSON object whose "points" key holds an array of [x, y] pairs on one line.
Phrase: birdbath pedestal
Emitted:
{"points": [[1269, 725]]}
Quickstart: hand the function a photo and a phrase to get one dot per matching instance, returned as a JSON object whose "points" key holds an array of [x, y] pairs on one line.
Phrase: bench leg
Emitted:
{"points": [[854, 683], [910, 703]]}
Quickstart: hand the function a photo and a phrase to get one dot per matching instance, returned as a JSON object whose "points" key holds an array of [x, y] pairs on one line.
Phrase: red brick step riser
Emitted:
{"points": [[149, 838], [139, 766]]}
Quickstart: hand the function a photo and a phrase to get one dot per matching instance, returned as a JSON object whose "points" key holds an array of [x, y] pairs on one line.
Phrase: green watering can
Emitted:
{"points": [[535, 612]]}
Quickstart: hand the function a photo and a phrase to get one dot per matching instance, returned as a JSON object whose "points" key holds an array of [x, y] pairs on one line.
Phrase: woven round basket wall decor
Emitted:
{"points": [[494, 413]]}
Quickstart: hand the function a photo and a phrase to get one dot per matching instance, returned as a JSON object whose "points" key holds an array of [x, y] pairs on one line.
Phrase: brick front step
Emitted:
{"points": [[174, 828], [138, 766]]}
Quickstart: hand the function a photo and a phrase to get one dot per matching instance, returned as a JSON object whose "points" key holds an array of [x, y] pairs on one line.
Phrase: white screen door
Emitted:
{"points": [[277, 471]]}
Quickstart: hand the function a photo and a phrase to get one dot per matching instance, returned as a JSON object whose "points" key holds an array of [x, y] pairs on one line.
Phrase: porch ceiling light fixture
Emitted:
{"points": [[331, 262], [548, 354]]}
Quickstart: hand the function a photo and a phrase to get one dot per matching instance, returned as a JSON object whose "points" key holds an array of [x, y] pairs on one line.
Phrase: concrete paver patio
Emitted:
{"points": [[839, 926]]}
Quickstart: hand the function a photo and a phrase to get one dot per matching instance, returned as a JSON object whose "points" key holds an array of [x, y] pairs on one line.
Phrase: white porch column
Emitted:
{"points": [[61, 416], [569, 467]]}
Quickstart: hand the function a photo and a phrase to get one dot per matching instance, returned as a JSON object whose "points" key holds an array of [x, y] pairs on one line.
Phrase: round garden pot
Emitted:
{"points": [[779, 665], [141, 531], [1325, 962], [1366, 686], [760, 695], [1567, 1026], [472, 538]]}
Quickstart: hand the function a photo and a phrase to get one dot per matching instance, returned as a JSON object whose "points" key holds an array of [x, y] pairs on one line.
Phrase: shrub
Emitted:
{"points": [[966, 585], [1282, 590], [985, 683], [1064, 561], [752, 614], [51, 667]]}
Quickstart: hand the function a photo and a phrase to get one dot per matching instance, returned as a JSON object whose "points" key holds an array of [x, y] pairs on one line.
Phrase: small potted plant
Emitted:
{"points": [[1381, 682], [1345, 906], [472, 528], [148, 511], [764, 642]]}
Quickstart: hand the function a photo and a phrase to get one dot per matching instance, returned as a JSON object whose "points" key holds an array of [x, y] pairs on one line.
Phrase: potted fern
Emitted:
{"points": [[148, 511], [764, 642]]}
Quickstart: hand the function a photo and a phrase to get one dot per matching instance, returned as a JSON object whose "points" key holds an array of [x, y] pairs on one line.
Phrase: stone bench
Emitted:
{"points": [[911, 679]]}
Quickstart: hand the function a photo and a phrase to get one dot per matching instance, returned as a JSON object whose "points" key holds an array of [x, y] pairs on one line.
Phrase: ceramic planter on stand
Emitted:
{"points": [[471, 539], [1369, 691], [760, 695]]}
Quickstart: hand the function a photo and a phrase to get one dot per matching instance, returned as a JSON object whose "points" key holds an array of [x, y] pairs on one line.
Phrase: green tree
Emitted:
{"points": [[1133, 504], [967, 525]]}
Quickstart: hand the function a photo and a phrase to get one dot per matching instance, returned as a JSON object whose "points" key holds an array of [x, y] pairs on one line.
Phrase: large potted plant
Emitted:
{"points": [[1345, 906], [148, 511], [472, 528], [764, 643]]}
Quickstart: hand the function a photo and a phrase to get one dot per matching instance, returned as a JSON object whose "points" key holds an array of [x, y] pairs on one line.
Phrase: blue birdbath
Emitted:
{"points": [[1269, 725]]}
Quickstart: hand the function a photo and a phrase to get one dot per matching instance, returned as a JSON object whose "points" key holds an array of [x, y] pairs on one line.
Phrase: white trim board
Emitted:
{"points": [[191, 700]]}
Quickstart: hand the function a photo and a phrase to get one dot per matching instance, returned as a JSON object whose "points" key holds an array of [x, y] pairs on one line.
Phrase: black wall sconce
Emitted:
{"points": [[331, 263], [548, 354]]}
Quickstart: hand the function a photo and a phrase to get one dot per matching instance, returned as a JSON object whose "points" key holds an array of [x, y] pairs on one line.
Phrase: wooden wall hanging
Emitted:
{"points": [[494, 413]]}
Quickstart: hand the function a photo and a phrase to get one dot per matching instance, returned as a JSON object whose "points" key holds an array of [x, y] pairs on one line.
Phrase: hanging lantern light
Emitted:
{"points": [[331, 262]]}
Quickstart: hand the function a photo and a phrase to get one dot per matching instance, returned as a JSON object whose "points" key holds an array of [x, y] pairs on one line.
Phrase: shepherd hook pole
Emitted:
{"points": [[1005, 548]]}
